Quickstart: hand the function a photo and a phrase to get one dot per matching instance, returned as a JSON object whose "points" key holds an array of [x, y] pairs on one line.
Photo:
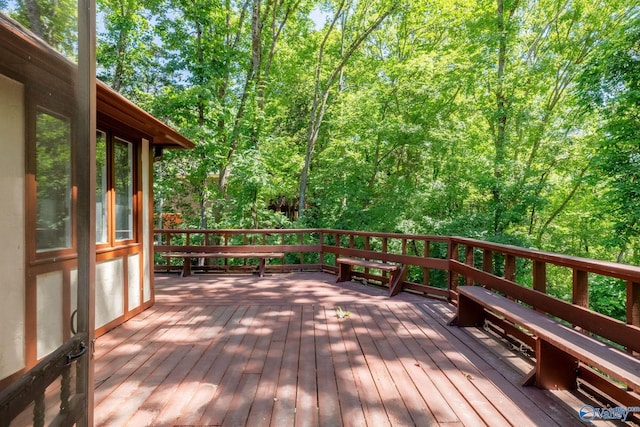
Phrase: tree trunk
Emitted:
{"points": [[321, 95]]}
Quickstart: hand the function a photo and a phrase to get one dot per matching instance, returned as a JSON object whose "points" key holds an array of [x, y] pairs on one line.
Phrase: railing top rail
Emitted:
{"points": [[443, 239], [623, 271], [236, 230]]}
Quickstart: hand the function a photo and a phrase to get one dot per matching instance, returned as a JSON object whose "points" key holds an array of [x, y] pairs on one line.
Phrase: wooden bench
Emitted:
{"points": [[558, 348], [187, 256], [397, 273]]}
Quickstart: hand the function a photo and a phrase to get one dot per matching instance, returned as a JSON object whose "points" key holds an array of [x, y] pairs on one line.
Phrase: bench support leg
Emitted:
{"points": [[470, 313], [261, 266], [555, 369], [396, 278], [344, 272], [186, 267]]}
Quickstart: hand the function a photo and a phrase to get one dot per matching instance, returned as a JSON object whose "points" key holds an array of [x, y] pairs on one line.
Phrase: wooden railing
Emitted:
{"points": [[495, 265], [425, 257], [301, 247], [437, 265]]}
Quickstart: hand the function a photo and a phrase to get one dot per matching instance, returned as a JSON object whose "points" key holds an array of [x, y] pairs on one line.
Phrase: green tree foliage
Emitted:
{"points": [[498, 119], [53, 21], [611, 84]]}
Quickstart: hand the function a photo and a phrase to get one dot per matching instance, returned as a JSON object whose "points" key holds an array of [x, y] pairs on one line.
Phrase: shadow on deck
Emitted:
{"points": [[240, 350]]}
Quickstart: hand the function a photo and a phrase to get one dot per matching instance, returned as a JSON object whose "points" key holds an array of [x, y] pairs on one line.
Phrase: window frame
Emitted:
{"points": [[110, 139], [38, 102]]}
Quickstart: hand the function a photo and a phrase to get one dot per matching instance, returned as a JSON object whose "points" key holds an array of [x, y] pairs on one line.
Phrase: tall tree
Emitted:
{"points": [[359, 27], [53, 21], [611, 84]]}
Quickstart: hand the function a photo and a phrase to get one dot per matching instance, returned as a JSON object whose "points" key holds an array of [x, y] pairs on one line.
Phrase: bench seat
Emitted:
{"points": [[397, 273], [187, 256], [559, 348]]}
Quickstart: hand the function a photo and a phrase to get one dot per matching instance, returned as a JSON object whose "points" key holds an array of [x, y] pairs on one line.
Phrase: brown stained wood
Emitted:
{"points": [[238, 350], [187, 256], [539, 405], [370, 264], [264, 400], [616, 331], [633, 303], [580, 292], [435, 386], [328, 403], [238, 358], [540, 276], [408, 374], [487, 261], [621, 271], [366, 371], [307, 381], [555, 369], [558, 348], [465, 378], [353, 407], [469, 258], [396, 280], [284, 398]]}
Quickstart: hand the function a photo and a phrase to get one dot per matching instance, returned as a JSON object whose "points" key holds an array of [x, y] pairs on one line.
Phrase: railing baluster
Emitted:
{"points": [[469, 260], [510, 267], [633, 303], [65, 389], [580, 293], [540, 276], [487, 260], [38, 410], [453, 255], [425, 270]]}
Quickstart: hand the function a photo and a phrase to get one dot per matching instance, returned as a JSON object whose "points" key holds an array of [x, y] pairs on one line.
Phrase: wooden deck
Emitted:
{"points": [[239, 350]]}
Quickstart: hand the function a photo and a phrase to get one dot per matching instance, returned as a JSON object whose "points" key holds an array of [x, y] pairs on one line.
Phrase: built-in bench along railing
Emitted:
{"points": [[436, 266]]}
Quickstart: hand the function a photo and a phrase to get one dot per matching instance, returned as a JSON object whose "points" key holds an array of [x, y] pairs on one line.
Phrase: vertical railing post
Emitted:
{"points": [[301, 234], [510, 267], [633, 303], [487, 260], [452, 254], [540, 276], [469, 260], [580, 292], [425, 270], [367, 247], [321, 254]]}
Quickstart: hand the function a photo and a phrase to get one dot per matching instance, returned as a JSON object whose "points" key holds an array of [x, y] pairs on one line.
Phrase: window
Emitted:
{"points": [[101, 188], [123, 185], [115, 189], [53, 182]]}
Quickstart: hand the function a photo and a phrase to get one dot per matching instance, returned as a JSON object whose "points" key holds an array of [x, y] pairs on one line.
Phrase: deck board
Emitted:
{"points": [[238, 350]]}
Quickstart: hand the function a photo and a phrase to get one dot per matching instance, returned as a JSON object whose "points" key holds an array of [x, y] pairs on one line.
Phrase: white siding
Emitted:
{"points": [[133, 278], [12, 232], [109, 291], [49, 320]]}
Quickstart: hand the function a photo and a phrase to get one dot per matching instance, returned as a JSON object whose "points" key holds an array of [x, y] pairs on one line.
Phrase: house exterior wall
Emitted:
{"points": [[38, 189], [12, 227], [39, 292]]}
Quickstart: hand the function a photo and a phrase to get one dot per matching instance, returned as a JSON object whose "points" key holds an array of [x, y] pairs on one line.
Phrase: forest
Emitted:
{"points": [[505, 120]]}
